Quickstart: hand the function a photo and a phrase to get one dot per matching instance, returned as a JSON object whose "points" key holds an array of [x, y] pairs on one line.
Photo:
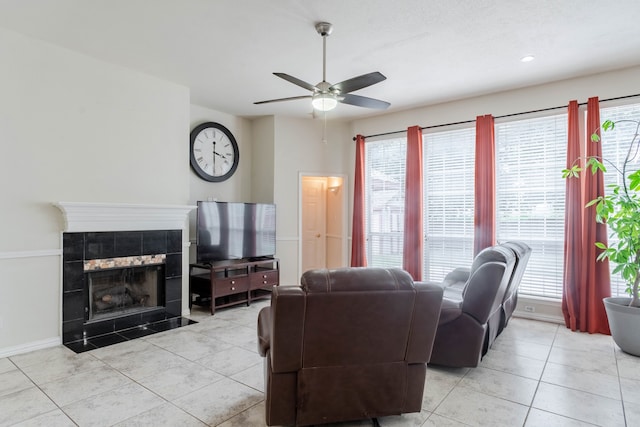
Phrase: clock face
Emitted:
{"points": [[214, 152]]}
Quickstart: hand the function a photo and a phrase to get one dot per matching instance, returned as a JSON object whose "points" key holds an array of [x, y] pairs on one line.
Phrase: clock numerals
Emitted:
{"points": [[214, 152]]}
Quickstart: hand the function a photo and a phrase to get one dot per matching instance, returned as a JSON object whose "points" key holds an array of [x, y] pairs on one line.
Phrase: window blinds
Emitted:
{"points": [[531, 154], [385, 163], [449, 199]]}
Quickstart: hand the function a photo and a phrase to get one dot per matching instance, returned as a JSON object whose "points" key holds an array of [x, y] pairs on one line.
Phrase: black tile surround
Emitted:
{"points": [[80, 247]]}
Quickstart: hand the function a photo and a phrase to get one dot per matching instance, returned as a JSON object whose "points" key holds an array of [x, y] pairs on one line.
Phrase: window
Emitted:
{"points": [[448, 201], [615, 145], [530, 155], [385, 164]]}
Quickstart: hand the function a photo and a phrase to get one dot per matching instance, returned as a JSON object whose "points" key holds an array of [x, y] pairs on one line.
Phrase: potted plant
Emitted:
{"points": [[620, 210]]}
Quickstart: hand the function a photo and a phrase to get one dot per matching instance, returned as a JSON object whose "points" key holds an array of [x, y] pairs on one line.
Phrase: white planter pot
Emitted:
{"points": [[624, 322]]}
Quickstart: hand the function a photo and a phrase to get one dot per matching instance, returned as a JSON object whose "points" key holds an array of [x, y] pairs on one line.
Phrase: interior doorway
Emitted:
{"points": [[322, 219]]}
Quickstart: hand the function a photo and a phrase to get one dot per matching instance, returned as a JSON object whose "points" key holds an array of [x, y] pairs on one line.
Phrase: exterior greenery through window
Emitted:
{"points": [[614, 148]]}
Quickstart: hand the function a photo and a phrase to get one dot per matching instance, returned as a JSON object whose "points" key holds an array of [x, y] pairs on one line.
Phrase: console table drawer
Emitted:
{"points": [[231, 285], [263, 279]]}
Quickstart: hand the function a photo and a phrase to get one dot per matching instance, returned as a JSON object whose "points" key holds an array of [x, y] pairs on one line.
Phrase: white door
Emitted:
{"points": [[313, 222]]}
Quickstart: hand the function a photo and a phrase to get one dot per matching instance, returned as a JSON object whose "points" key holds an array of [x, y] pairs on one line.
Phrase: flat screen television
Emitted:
{"points": [[233, 230]]}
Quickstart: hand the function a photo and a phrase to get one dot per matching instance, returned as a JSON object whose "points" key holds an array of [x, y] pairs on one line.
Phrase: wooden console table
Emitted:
{"points": [[226, 283]]}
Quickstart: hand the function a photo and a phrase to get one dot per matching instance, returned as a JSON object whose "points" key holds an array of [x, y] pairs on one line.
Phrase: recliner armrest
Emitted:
{"points": [[457, 277], [264, 331], [286, 328]]}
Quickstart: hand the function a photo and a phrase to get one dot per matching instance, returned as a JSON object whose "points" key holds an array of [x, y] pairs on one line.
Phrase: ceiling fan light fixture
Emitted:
{"points": [[324, 101]]}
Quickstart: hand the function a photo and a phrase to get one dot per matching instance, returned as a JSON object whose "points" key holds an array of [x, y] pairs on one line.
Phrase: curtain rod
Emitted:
{"points": [[499, 117]]}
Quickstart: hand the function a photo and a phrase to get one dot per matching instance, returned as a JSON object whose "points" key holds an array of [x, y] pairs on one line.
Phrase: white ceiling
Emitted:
{"points": [[430, 51]]}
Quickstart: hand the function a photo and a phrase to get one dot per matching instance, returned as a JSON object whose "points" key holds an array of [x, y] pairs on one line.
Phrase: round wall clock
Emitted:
{"points": [[214, 152]]}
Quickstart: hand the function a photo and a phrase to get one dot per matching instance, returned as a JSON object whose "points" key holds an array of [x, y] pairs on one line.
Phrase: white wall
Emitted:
{"points": [[299, 147], [262, 152], [605, 85], [73, 129]]}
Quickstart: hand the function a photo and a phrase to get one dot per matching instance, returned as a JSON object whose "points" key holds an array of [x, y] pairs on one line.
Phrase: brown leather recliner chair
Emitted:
{"points": [[456, 280], [348, 344], [469, 320]]}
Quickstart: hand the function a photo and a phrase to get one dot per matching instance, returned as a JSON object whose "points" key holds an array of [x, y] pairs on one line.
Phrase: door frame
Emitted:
{"points": [[345, 210]]}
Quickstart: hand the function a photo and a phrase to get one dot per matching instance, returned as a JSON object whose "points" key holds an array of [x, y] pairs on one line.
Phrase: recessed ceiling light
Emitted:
{"points": [[527, 58]]}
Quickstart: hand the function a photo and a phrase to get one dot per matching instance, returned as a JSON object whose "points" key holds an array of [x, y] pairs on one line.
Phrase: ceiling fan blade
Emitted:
{"points": [[359, 82], [297, 81], [291, 98], [363, 101]]}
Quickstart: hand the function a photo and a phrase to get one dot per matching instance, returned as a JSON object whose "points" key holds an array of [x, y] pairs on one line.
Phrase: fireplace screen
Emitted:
{"points": [[124, 290]]}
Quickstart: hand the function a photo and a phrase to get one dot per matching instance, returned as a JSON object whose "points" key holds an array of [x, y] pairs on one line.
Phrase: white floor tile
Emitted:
{"points": [[219, 401], [436, 420], [40, 356], [188, 344], [145, 363], [538, 418], [513, 364], [438, 384], [6, 365], [501, 384], [163, 415], [252, 377], [231, 360], [175, 382], [61, 367], [112, 407], [211, 374], [23, 405], [594, 360], [85, 384], [580, 379], [579, 405], [55, 418], [478, 409], [13, 381]]}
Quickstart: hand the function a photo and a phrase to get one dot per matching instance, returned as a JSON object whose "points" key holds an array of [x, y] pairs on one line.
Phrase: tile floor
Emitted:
{"points": [[209, 373]]}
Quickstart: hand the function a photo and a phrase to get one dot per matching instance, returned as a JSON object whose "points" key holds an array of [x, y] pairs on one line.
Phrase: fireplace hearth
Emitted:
{"points": [[120, 285], [121, 271]]}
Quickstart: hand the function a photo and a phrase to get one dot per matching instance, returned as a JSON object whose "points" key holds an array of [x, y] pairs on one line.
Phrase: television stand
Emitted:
{"points": [[226, 283]]}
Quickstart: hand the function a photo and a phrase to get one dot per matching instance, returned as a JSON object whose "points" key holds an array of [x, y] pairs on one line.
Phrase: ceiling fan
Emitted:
{"points": [[326, 96]]}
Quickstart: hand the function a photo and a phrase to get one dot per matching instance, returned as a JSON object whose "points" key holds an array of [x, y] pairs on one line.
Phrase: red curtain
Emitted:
{"points": [[596, 279], [574, 206], [485, 185], [358, 241], [413, 231]]}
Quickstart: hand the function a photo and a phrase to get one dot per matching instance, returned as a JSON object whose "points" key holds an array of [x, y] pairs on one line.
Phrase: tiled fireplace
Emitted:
{"points": [[122, 272]]}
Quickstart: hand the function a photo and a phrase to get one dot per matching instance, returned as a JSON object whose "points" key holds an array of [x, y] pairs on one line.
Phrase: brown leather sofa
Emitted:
{"points": [[348, 344], [470, 314]]}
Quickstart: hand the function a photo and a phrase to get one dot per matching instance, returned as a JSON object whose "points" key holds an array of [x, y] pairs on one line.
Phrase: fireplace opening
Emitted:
{"points": [[122, 291]]}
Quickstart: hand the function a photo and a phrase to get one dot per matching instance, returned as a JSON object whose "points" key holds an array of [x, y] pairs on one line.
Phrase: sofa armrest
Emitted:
{"points": [[425, 322], [457, 277], [264, 331], [286, 328]]}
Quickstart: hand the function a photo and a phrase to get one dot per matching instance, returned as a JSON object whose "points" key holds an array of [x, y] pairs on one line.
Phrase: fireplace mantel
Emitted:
{"points": [[90, 217]]}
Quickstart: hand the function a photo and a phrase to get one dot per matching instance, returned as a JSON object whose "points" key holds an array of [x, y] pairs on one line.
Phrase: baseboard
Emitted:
{"points": [[31, 346], [539, 317]]}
